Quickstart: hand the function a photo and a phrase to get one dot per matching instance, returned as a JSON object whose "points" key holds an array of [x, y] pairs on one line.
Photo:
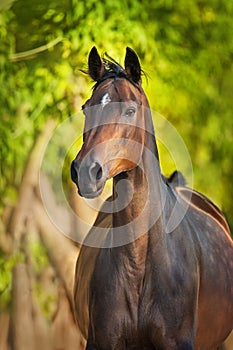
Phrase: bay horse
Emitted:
{"points": [[156, 269]]}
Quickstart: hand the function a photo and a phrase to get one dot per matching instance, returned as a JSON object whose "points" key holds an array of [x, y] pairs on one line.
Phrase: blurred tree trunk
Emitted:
{"points": [[4, 330], [23, 336], [61, 252], [64, 329], [28, 185], [29, 328]]}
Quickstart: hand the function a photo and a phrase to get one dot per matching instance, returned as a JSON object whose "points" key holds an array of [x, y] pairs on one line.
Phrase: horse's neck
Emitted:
{"points": [[140, 200]]}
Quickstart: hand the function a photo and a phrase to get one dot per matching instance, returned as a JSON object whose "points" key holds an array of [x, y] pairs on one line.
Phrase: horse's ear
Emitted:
{"points": [[95, 65], [132, 66]]}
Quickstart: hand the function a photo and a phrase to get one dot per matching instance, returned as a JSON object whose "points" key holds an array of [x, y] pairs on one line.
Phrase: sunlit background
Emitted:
{"points": [[186, 50]]}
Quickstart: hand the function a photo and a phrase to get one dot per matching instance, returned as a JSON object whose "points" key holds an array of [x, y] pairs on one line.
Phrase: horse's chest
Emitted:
{"points": [[134, 310], [123, 315]]}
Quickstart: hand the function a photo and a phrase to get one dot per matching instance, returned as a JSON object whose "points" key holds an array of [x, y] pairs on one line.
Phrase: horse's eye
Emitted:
{"points": [[130, 112]]}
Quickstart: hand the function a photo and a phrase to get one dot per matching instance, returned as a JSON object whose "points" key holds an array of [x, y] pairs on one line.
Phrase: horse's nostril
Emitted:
{"points": [[74, 172], [96, 171], [99, 173]]}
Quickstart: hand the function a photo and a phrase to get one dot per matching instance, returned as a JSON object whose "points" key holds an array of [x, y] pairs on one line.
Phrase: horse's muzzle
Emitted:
{"points": [[89, 178]]}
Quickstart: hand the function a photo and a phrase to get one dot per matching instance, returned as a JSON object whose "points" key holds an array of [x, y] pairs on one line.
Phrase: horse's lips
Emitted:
{"points": [[92, 194]]}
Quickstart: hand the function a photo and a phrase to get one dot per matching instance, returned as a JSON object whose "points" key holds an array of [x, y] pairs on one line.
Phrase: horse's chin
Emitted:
{"points": [[91, 194]]}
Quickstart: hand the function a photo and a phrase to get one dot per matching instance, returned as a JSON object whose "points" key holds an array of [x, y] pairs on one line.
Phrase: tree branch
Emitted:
{"points": [[29, 182], [30, 53]]}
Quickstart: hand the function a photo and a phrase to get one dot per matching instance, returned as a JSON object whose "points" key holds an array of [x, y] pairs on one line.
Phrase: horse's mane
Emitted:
{"points": [[113, 69]]}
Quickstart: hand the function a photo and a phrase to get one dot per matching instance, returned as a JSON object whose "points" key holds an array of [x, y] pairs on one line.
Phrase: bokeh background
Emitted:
{"points": [[185, 48]]}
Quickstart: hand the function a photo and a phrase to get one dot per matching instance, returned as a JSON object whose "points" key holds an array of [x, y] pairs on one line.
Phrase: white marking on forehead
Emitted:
{"points": [[105, 99]]}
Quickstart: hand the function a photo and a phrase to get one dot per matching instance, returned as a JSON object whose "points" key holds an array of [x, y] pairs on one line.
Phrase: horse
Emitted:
{"points": [[156, 269]]}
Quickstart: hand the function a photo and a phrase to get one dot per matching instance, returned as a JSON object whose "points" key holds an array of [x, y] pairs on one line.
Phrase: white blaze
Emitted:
{"points": [[105, 100]]}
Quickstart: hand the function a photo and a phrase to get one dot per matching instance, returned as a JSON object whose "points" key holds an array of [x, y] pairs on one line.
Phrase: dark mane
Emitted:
{"points": [[113, 69]]}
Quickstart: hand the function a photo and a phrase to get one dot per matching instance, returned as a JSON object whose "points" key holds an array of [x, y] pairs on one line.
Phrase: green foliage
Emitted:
{"points": [[6, 266], [39, 257], [45, 297]]}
